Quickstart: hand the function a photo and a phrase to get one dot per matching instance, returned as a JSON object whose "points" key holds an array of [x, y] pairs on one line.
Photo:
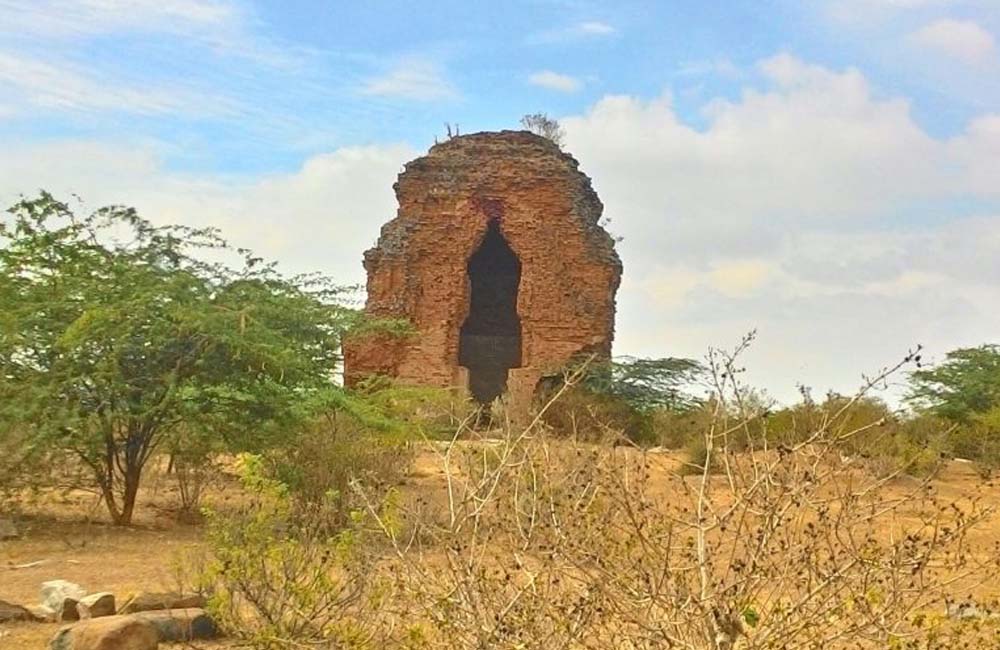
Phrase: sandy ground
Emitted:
{"points": [[66, 537]]}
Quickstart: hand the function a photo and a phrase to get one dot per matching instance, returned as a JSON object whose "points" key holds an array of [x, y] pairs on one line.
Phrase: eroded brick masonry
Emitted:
{"points": [[497, 258]]}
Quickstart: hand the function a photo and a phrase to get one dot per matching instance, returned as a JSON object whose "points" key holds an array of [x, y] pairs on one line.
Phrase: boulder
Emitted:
{"points": [[148, 601], [96, 605], [69, 611], [179, 625], [61, 597], [107, 633], [9, 612], [7, 530], [43, 614]]}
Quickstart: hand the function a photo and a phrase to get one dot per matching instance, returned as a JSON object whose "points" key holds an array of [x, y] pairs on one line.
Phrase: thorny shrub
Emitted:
{"points": [[545, 544], [281, 576], [530, 542], [317, 466]]}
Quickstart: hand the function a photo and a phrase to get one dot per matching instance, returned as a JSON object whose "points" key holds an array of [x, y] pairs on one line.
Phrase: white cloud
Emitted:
{"points": [[319, 217], [964, 40], [555, 81], [736, 278], [69, 87], [174, 58], [909, 4], [588, 29], [223, 26], [413, 78], [594, 28], [797, 209], [722, 67], [843, 8], [61, 19]]}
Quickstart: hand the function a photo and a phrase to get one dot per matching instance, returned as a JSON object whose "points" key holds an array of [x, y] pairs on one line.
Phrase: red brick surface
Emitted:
{"points": [[547, 212]]}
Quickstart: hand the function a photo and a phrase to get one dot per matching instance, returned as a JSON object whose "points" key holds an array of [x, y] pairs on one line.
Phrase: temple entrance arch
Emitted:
{"points": [[490, 337]]}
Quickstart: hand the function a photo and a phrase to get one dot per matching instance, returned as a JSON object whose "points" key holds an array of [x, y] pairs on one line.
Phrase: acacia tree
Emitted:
{"points": [[965, 384], [647, 384], [114, 332]]}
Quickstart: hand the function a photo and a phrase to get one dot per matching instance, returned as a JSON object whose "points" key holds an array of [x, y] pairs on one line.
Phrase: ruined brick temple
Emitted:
{"points": [[497, 258]]}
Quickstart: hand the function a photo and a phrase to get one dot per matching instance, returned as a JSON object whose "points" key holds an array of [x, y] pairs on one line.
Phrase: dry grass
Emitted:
{"points": [[68, 537]]}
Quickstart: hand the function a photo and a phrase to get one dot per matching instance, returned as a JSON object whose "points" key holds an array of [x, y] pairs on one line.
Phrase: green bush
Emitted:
{"points": [[420, 411], [586, 415], [280, 577], [883, 441], [978, 441], [318, 465], [620, 397]]}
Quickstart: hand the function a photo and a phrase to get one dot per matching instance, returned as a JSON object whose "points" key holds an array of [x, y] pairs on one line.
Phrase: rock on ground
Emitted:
{"points": [[148, 601], [96, 605], [968, 610], [178, 625], [107, 633], [43, 613], [9, 612], [141, 631], [61, 597]]}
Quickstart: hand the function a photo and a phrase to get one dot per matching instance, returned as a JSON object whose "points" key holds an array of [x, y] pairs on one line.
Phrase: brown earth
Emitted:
{"points": [[65, 536]]}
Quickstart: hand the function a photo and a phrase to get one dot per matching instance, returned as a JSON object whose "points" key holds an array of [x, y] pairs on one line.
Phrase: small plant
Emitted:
{"points": [[318, 465], [545, 126], [282, 577]]}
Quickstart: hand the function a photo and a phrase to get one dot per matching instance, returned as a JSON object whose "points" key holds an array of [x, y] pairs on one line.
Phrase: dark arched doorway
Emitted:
{"points": [[490, 338]]}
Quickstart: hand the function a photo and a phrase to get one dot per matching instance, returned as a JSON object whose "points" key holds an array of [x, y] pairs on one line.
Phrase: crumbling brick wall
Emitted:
{"points": [[547, 213]]}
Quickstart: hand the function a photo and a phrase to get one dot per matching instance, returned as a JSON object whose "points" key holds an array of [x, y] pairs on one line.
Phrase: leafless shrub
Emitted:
{"points": [[545, 126], [545, 544], [192, 480]]}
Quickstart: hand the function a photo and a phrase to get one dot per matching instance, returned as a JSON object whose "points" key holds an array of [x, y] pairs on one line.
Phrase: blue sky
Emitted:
{"points": [[823, 170]]}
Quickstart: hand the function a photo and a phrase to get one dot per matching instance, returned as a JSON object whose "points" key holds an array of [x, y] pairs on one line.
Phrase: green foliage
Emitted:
{"points": [[114, 332], [586, 415], [647, 384], [865, 429], [965, 384], [193, 451], [978, 441], [625, 396], [964, 389], [281, 576], [319, 464], [419, 411]]}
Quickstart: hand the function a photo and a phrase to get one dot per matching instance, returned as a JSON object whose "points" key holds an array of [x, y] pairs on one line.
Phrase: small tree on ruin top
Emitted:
{"points": [[545, 126], [114, 334]]}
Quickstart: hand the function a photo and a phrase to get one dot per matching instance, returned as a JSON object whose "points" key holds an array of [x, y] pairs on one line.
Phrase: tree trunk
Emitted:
{"points": [[132, 475], [109, 500]]}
